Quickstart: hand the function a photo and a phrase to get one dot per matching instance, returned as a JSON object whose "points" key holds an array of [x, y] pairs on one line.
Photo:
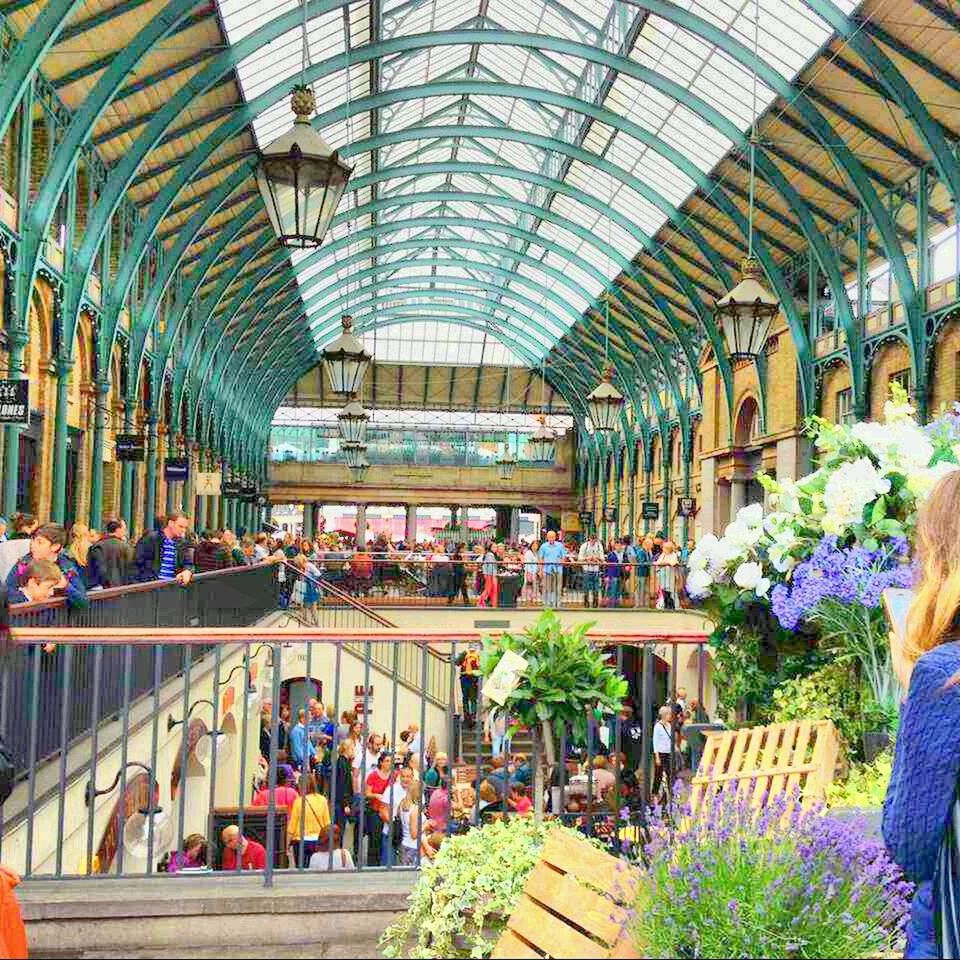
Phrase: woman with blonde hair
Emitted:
{"points": [[79, 548], [926, 765], [410, 818]]}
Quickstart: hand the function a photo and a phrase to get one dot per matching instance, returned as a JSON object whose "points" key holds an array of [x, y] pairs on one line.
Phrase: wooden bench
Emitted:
{"points": [[575, 904], [767, 761]]}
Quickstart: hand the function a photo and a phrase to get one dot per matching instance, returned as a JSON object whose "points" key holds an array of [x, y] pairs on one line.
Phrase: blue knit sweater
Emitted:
{"points": [[926, 770]]}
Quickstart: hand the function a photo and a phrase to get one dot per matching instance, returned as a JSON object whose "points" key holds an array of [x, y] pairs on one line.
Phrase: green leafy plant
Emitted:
{"points": [[566, 678], [462, 899], [865, 787]]}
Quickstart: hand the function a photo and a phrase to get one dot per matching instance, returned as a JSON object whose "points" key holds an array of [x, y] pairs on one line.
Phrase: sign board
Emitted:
{"points": [[586, 519], [362, 700], [249, 493], [609, 514], [175, 469], [650, 510], [687, 507], [570, 521], [208, 483], [130, 447], [230, 488], [15, 401]]}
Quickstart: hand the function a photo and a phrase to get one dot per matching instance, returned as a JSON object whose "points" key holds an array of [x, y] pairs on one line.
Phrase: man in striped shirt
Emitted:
{"points": [[160, 553]]}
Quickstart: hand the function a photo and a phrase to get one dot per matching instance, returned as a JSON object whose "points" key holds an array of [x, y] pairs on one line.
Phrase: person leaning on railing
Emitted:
{"points": [[162, 554], [47, 543], [110, 561]]}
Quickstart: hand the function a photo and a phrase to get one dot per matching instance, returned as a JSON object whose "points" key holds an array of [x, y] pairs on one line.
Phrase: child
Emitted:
{"points": [[518, 801], [36, 581]]}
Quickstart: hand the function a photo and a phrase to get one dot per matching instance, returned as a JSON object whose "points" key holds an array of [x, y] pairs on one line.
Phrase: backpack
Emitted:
{"points": [[396, 831]]}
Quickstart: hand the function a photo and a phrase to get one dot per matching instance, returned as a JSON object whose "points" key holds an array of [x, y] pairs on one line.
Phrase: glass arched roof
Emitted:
{"points": [[473, 243]]}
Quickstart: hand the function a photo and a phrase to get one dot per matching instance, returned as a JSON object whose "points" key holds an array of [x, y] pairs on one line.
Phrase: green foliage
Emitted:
{"points": [[461, 901], [829, 693], [565, 678], [865, 787]]}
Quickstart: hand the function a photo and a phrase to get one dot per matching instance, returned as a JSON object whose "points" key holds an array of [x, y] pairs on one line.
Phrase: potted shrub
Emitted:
{"points": [[738, 881], [564, 680], [463, 897]]}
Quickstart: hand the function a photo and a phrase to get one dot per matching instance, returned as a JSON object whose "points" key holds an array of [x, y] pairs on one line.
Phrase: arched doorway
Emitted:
{"points": [[746, 438]]}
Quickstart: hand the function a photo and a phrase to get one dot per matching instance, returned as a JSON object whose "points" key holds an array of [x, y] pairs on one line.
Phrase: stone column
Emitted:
{"points": [[514, 524], [463, 519], [101, 389], [738, 496], [410, 527], [361, 524], [308, 532], [315, 512], [706, 516]]}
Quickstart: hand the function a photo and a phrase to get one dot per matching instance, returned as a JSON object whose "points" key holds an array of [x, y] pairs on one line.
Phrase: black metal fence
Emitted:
{"points": [[51, 694], [302, 793]]}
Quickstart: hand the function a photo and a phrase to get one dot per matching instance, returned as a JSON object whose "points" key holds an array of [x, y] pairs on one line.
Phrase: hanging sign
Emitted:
{"points": [[130, 447], [208, 483], [570, 521], [586, 519], [230, 488], [609, 514], [362, 700], [15, 401], [175, 469], [249, 493], [650, 510], [687, 507]]}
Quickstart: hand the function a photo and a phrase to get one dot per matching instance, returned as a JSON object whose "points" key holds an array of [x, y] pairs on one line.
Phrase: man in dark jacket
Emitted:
{"points": [[161, 554], [211, 553], [110, 560]]}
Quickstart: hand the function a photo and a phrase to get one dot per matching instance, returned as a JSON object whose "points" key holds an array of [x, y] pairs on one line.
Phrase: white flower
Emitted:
{"points": [[780, 558], [699, 583], [698, 560], [850, 488], [724, 553], [894, 412], [763, 585], [748, 576], [741, 535], [752, 516], [900, 447]]}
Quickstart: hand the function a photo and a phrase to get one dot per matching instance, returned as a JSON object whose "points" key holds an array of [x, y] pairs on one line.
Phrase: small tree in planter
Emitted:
{"points": [[565, 678]]}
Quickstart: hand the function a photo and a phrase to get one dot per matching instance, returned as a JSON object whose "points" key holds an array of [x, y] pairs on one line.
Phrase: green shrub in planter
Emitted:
{"points": [[463, 898], [865, 787]]}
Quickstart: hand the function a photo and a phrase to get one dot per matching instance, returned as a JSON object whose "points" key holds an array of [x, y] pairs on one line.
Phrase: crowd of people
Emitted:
{"points": [[624, 573]]}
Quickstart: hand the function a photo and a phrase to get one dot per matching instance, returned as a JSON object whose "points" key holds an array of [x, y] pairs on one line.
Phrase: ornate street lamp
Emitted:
{"points": [[352, 420], [354, 453], [746, 313], [359, 471], [346, 361], [506, 465], [543, 443], [605, 402]]}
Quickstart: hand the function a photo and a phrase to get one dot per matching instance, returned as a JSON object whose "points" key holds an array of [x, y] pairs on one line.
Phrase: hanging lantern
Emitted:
{"points": [[354, 453], [746, 313], [543, 443], [605, 402], [352, 420], [506, 465], [359, 470], [346, 361], [301, 178]]}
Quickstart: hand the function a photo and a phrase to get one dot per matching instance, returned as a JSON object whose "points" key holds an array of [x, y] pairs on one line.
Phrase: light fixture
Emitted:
{"points": [[137, 832], [213, 740], [506, 464], [543, 443], [352, 421], [359, 471], [300, 176], [746, 313], [605, 402], [171, 723], [354, 453], [346, 361]]}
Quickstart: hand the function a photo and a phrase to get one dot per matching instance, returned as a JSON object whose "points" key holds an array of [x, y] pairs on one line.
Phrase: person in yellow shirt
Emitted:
{"points": [[309, 821]]}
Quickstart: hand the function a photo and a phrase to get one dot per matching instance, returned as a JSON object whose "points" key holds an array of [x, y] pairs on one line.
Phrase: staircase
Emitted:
{"points": [[522, 742], [418, 666]]}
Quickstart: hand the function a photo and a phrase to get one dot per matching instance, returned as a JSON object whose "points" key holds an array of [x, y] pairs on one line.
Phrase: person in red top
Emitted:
{"points": [[252, 854], [285, 794], [377, 794]]}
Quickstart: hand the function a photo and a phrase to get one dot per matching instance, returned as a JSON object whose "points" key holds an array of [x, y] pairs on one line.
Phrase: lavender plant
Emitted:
{"points": [[742, 880]]}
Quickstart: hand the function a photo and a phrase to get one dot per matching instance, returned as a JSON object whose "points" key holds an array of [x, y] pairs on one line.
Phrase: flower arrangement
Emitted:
{"points": [[460, 903], [738, 881], [834, 539]]}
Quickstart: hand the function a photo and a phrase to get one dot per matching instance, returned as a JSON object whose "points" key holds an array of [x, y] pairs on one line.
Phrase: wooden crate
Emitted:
{"points": [[574, 904], [768, 761]]}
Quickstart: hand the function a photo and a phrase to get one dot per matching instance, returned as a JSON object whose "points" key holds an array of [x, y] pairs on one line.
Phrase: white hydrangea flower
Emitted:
{"points": [[900, 447], [699, 583], [850, 488], [752, 515], [749, 575], [742, 535]]}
